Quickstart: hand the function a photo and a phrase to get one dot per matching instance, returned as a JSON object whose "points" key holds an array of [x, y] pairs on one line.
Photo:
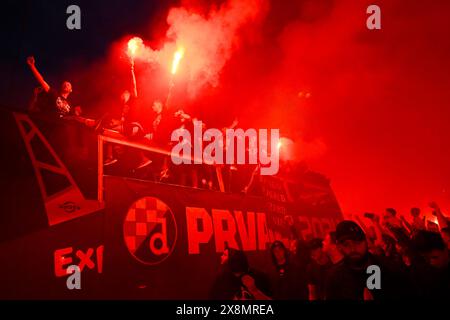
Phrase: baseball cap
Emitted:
{"points": [[349, 230]]}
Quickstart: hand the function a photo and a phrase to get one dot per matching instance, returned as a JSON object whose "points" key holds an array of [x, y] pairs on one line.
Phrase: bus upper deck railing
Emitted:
{"points": [[111, 136]]}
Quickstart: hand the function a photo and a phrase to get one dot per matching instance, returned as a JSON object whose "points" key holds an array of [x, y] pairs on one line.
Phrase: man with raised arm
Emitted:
{"points": [[54, 101]]}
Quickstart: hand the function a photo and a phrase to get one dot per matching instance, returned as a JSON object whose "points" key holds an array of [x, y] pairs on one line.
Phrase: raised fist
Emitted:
{"points": [[31, 61]]}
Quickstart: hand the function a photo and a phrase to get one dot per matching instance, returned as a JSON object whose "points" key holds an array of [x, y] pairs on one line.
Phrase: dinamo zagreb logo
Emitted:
{"points": [[150, 231]]}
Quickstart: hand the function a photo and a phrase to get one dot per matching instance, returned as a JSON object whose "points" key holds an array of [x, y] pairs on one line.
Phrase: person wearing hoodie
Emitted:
{"points": [[289, 281]]}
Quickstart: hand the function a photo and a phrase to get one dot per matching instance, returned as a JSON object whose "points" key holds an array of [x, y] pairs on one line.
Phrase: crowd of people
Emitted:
{"points": [[412, 259]]}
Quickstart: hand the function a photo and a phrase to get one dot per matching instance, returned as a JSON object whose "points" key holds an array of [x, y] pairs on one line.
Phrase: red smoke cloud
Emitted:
{"points": [[378, 98], [209, 40], [375, 117]]}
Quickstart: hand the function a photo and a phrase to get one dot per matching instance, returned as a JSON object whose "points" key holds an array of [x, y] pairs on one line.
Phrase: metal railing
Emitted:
{"points": [[111, 136]]}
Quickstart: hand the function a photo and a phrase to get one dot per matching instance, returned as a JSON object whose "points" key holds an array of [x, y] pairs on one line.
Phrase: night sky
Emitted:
{"points": [[38, 27], [377, 120]]}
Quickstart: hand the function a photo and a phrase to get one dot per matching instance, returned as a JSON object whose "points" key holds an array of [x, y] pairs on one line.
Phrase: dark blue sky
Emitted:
{"points": [[38, 27]]}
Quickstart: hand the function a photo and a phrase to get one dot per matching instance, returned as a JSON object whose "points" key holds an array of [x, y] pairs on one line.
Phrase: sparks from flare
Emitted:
{"points": [[133, 46], [179, 54]]}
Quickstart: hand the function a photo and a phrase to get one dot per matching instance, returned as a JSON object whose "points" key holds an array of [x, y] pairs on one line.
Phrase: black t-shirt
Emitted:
{"points": [[345, 283], [116, 112], [317, 276], [132, 110], [53, 102], [143, 116], [290, 283], [136, 114], [428, 282]]}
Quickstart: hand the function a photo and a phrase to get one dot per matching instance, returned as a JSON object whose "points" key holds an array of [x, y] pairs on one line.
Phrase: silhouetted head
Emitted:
{"points": [[390, 213], [351, 241], [432, 247], [415, 212], [125, 96], [316, 252], [279, 253]]}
